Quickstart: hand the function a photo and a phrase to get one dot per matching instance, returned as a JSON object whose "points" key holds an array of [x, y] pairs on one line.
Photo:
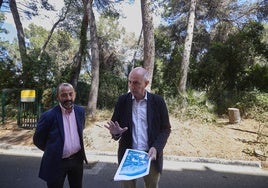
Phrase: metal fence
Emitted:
{"points": [[22, 104]]}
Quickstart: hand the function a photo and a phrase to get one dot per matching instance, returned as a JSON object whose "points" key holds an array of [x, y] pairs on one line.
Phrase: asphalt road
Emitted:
{"points": [[21, 171]]}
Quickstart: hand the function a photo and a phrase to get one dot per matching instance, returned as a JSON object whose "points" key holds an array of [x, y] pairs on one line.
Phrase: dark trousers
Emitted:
{"points": [[150, 181], [72, 167]]}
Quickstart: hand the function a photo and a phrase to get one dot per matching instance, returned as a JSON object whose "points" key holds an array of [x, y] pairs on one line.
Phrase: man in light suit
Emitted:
{"points": [[59, 134], [141, 121]]}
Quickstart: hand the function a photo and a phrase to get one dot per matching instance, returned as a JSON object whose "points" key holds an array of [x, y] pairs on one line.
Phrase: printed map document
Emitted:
{"points": [[135, 164]]}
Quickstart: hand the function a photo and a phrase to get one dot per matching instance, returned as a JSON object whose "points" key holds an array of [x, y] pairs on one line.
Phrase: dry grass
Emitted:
{"points": [[247, 140]]}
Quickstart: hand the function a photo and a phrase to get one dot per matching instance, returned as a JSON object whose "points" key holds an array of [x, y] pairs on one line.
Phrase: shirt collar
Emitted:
{"points": [[145, 97]]}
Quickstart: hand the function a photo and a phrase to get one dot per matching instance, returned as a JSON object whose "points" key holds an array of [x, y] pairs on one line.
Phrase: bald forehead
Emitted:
{"points": [[63, 86], [138, 71]]}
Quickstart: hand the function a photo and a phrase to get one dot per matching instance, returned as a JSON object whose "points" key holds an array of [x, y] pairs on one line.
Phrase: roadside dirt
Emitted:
{"points": [[247, 140]]}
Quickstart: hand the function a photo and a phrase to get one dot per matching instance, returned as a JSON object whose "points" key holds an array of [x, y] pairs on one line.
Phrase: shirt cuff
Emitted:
{"points": [[116, 136]]}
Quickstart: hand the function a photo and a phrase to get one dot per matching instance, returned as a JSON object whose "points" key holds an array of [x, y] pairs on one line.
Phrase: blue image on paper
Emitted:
{"points": [[134, 164]]}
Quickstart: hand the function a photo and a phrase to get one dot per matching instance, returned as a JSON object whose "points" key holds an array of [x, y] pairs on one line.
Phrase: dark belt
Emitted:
{"points": [[73, 156]]}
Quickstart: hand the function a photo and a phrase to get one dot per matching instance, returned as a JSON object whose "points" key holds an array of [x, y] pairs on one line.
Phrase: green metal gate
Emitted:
{"points": [[29, 108]]}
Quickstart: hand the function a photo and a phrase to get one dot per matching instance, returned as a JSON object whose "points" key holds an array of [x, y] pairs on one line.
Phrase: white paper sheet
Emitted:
{"points": [[135, 164]]}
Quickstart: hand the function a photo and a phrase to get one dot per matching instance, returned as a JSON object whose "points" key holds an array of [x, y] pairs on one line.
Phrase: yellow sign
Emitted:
{"points": [[27, 95]]}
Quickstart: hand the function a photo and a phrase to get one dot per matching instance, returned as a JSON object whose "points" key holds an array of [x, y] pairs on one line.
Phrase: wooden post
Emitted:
{"points": [[234, 115]]}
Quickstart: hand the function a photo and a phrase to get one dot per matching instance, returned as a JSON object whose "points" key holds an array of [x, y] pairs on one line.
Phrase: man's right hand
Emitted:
{"points": [[115, 128]]}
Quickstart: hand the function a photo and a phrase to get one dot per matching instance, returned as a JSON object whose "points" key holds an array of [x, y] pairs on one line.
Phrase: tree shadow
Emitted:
{"points": [[22, 171]]}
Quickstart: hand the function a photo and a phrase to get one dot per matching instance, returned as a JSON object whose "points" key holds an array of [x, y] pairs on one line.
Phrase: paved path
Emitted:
{"points": [[19, 166]]}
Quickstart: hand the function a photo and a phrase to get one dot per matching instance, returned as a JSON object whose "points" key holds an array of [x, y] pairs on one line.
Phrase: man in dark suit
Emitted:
{"points": [[141, 121], [59, 134]]}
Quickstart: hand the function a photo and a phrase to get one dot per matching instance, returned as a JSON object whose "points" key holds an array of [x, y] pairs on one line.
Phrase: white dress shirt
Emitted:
{"points": [[140, 125]]}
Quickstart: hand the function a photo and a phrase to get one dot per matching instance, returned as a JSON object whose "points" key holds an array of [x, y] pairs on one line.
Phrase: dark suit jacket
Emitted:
{"points": [[49, 137], [158, 124]]}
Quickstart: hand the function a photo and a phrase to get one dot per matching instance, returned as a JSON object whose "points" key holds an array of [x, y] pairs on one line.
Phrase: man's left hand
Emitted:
{"points": [[152, 153]]}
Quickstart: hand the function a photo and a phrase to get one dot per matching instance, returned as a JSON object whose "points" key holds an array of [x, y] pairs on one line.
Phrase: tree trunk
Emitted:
{"points": [[93, 95], [148, 35], [234, 115], [187, 52], [62, 18], [79, 56], [21, 39]]}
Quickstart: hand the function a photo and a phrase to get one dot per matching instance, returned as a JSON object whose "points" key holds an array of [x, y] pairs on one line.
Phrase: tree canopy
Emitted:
{"points": [[227, 56]]}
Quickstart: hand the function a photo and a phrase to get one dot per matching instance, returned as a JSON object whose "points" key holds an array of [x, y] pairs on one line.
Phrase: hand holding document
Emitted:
{"points": [[135, 164]]}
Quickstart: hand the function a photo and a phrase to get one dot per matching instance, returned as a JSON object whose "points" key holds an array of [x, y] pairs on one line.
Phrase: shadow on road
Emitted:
{"points": [[22, 172]]}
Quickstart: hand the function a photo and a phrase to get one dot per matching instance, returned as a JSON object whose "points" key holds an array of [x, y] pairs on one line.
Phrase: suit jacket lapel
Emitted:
{"points": [[78, 121], [129, 112], [60, 120], [149, 113]]}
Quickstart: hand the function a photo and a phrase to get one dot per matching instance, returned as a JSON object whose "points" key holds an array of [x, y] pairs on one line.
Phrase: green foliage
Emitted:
{"points": [[55, 63], [40, 72], [63, 40], [231, 67], [208, 73], [171, 71], [167, 66], [108, 28], [259, 77], [162, 43], [115, 46], [10, 98], [222, 71], [8, 74], [36, 35], [253, 105], [44, 72], [199, 107], [255, 77], [48, 98], [111, 86], [61, 47], [82, 93], [158, 85]]}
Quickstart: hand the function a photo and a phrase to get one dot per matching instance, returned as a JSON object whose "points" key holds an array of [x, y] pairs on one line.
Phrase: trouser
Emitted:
{"points": [[150, 181], [72, 167]]}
